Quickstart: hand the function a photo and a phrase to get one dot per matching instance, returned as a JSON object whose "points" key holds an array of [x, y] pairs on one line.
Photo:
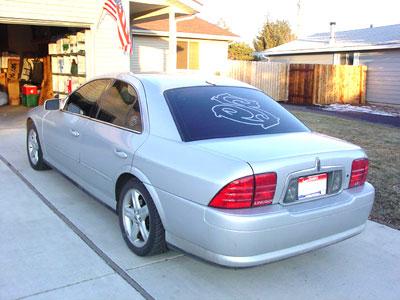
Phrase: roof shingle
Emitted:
{"points": [[193, 25]]}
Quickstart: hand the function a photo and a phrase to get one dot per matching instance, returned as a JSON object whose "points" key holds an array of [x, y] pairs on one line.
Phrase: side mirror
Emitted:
{"points": [[52, 104]]}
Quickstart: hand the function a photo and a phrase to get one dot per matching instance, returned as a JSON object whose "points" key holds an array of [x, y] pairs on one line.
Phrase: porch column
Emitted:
{"points": [[172, 41]]}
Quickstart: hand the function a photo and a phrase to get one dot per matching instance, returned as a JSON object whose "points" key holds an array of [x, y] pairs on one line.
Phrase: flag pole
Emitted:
{"points": [[100, 18]]}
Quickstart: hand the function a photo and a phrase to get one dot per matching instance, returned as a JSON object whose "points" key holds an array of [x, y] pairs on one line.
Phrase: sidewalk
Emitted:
{"points": [[41, 258]]}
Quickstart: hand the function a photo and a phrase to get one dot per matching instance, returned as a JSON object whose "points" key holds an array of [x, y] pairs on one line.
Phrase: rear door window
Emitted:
{"points": [[207, 112], [84, 100], [119, 106]]}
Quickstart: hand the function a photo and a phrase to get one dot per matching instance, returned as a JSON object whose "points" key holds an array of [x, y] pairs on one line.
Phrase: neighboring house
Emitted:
{"points": [[201, 45], [166, 35], [376, 47]]}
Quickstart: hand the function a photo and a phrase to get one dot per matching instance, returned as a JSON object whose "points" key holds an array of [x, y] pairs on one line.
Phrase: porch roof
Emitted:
{"points": [[185, 25]]}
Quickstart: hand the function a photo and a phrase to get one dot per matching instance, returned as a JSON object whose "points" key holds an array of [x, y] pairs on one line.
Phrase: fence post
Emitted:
{"points": [[363, 83]]}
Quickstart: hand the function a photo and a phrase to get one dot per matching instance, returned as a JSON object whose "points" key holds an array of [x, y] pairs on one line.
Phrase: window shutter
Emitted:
{"points": [[194, 55], [182, 55]]}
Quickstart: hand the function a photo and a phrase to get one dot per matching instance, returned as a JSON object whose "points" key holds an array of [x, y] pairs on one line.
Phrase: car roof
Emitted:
{"points": [[166, 81], [163, 81]]}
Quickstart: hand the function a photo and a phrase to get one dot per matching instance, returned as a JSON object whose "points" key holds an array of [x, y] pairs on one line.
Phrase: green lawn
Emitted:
{"points": [[382, 144]]}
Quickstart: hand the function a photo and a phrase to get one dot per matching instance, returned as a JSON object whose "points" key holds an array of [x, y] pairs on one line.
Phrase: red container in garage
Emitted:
{"points": [[29, 89], [69, 86]]}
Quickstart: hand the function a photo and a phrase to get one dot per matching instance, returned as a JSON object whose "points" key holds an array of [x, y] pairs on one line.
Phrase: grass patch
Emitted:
{"points": [[382, 144]]}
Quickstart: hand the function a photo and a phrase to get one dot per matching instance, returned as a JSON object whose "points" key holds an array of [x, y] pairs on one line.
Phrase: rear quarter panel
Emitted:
{"points": [[187, 172]]}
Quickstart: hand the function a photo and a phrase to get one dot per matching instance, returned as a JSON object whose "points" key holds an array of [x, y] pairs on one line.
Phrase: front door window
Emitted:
{"points": [[84, 100], [120, 106]]}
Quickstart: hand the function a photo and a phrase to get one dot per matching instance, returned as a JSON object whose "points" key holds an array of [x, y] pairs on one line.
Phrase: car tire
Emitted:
{"points": [[34, 149], [139, 220]]}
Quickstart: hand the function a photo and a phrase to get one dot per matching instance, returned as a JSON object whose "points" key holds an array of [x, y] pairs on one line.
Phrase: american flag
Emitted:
{"points": [[115, 9]]}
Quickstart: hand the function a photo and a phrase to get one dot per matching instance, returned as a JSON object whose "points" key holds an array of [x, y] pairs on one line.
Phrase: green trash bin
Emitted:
{"points": [[24, 100], [29, 95], [31, 100]]}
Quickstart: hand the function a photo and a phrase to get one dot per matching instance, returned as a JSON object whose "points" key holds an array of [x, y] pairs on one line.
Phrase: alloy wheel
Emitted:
{"points": [[33, 146], [136, 218]]}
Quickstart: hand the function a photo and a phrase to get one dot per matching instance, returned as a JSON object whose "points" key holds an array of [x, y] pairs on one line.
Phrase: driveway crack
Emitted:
{"points": [[156, 262], [65, 286]]}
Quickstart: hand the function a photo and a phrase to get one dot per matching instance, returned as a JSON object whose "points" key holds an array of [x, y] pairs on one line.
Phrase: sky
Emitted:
{"points": [[245, 18]]}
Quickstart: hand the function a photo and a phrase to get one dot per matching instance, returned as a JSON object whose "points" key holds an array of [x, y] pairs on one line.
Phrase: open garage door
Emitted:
{"points": [[40, 62], [71, 13], [55, 23]]}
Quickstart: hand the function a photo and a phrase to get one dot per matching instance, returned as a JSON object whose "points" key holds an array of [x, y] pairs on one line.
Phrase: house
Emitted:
{"points": [[167, 36], [200, 45], [376, 47]]}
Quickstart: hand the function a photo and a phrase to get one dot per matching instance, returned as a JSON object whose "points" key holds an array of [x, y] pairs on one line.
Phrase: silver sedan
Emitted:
{"points": [[213, 167]]}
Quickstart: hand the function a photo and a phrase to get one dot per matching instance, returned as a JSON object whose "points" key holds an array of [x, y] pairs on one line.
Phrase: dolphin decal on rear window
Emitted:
{"points": [[243, 111]]}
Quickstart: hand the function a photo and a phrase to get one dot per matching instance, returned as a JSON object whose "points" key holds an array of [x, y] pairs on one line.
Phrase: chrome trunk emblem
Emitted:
{"points": [[318, 164]]}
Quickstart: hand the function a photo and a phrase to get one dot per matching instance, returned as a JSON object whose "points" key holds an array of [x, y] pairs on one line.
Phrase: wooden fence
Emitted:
{"points": [[272, 78], [304, 83], [326, 84]]}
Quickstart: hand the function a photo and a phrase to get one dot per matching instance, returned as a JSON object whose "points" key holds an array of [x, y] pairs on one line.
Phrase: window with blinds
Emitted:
{"points": [[187, 55]]}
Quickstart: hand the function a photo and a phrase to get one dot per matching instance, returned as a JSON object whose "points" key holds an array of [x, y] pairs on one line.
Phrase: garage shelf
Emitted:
{"points": [[69, 74]]}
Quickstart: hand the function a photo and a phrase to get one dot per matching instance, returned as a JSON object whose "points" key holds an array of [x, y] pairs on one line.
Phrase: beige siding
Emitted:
{"points": [[303, 59], [150, 55], [108, 55], [383, 75], [213, 56], [66, 12]]}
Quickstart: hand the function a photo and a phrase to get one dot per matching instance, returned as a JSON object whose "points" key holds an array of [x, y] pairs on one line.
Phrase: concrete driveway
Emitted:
{"points": [[57, 242]]}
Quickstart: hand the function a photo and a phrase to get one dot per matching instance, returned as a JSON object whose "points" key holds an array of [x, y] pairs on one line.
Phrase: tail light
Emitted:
{"points": [[359, 172], [265, 189], [255, 190]]}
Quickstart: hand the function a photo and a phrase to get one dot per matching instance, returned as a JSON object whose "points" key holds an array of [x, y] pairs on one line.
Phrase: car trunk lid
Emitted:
{"points": [[254, 149], [290, 155]]}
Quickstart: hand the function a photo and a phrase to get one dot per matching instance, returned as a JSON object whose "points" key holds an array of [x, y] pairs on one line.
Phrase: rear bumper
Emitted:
{"points": [[243, 238]]}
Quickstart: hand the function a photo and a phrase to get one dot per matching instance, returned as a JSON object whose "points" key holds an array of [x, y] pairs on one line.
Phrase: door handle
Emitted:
{"points": [[120, 153], [74, 133]]}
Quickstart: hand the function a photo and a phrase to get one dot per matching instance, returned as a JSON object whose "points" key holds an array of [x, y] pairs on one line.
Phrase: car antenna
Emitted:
{"points": [[211, 83]]}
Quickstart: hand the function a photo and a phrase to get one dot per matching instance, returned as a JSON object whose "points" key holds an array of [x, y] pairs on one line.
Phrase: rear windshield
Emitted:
{"points": [[207, 112]]}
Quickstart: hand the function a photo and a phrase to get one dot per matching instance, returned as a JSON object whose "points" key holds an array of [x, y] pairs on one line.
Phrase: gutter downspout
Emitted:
{"points": [[172, 41]]}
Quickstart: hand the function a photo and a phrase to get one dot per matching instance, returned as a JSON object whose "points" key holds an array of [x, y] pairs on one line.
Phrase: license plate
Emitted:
{"points": [[312, 186]]}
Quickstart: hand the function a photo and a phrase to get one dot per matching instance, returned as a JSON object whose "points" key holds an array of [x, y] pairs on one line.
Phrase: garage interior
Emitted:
{"points": [[38, 63]]}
